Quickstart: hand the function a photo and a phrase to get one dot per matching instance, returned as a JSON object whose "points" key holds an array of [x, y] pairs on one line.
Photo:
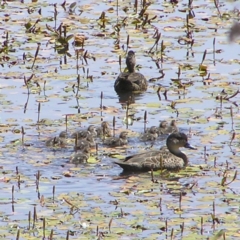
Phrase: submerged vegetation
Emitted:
{"points": [[59, 62]]}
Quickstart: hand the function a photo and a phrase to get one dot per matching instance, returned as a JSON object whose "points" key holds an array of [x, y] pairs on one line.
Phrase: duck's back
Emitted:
{"points": [[155, 160], [130, 82]]}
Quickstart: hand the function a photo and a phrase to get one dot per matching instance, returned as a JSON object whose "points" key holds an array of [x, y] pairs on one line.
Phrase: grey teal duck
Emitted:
{"points": [[130, 81], [169, 157]]}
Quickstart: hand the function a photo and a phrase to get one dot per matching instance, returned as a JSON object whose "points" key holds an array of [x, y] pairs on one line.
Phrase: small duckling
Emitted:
{"points": [[57, 141], [80, 157], [82, 143], [150, 135], [63, 134], [91, 130], [164, 128], [104, 130], [173, 127], [117, 141]]}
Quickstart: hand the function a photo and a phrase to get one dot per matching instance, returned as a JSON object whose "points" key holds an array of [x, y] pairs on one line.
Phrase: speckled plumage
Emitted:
{"points": [[104, 130], [91, 130], [117, 141], [55, 142], [169, 157], [150, 135], [130, 81], [164, 128], [81, 144], [80, 157]]}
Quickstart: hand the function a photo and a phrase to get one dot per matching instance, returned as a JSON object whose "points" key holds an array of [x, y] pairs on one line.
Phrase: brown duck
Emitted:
{"points": [[169, 157], [130, 81]]}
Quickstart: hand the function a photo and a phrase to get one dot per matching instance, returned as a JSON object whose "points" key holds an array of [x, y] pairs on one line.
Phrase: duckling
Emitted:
{"points": [[150, 135], [117, 141], [164, 128], [80, 157], [104, 130], [91, 130]]}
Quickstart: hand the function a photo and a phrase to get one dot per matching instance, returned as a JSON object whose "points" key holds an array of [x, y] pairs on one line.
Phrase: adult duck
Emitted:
{"points": [[168, 157], [130, 81]]}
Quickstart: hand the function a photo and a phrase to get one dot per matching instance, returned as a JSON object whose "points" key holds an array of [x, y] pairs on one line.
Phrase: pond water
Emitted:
{"points": [[94, 201]]}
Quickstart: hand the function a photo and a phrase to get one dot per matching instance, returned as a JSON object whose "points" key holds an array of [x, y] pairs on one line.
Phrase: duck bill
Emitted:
{"points": [[187, 145]]}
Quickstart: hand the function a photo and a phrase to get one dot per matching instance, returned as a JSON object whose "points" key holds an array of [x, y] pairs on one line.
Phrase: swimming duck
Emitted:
{"points": [[169, 157], [164, 128], [117, 141], [63, 134], [80, 157], [91, 130], [104, 130], [150, 135], [55, 142], [82, 143], [130, 81], [59, 141]]}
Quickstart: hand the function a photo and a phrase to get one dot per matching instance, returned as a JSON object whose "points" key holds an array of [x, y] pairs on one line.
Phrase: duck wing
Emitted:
{"points": [[143, 161], [155, 160]]}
